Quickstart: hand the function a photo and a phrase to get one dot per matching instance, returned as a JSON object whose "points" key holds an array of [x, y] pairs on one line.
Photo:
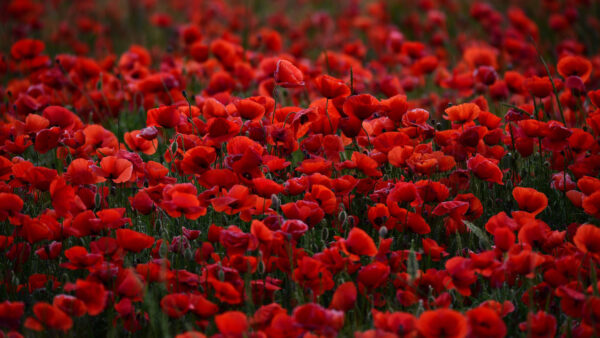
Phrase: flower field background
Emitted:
{"points": [[302, 168]]}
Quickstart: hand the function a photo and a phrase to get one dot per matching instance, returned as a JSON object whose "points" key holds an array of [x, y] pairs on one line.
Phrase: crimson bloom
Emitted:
{"points": [[48, 316], [485, 322], [331, 87], [232, 323], [442, 323], [119, 170], [134, 241], [360, 243], [10, 205], [165, 116], [539, 324], [344, 297], [361, 106], [530, 200], [485, 169], [574, 65], [462, 113]]}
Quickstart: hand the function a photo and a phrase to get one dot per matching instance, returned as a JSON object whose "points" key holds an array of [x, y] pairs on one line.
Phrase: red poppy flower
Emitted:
{"points": [[10, 206], [530, 200], [48, 316], [182, 199], [265, 187], [373, 275], [313, 317], [591, 204], [402, 192], [485, 322], [165, 116], [366, 164], [378, 214], [360, 243], [461, 273], [539, 324], [485, 169], [232, 323], [307, 211], [344, 297], [26, 49], [287, 75], [236, 241], [591, 311], [80, 172], [250, 109], [504, 238], [11, 313], [130, 284], [70, 305], [324, 197], [314, 275], [202, 306], [119, 170], [538, 86], [455, 209], [198, 160], [136, 142], [462, 113], [574, 65], [175, 305], [79, 257], [237, 199], [442, 323], [361, 106], [331, 87], [99, 140], [133, 241], [587, 239]]}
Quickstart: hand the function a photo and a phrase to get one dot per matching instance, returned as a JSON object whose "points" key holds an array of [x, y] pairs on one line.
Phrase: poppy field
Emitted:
{"points": [[368, 169]]}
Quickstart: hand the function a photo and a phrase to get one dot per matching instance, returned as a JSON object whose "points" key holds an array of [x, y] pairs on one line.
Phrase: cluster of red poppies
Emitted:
{"points": [[366, 170]]}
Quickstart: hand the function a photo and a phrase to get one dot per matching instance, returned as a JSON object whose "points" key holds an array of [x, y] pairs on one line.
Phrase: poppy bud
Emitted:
{"points": [[420, 308], [351, 221], [275, 202], [383, 231], [261, 267], [163, 250], [343, 216], [188, 254]]}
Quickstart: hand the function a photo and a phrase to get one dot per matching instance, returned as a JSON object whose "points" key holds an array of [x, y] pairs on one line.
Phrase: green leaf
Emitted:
{"points": [[297, 157]]}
